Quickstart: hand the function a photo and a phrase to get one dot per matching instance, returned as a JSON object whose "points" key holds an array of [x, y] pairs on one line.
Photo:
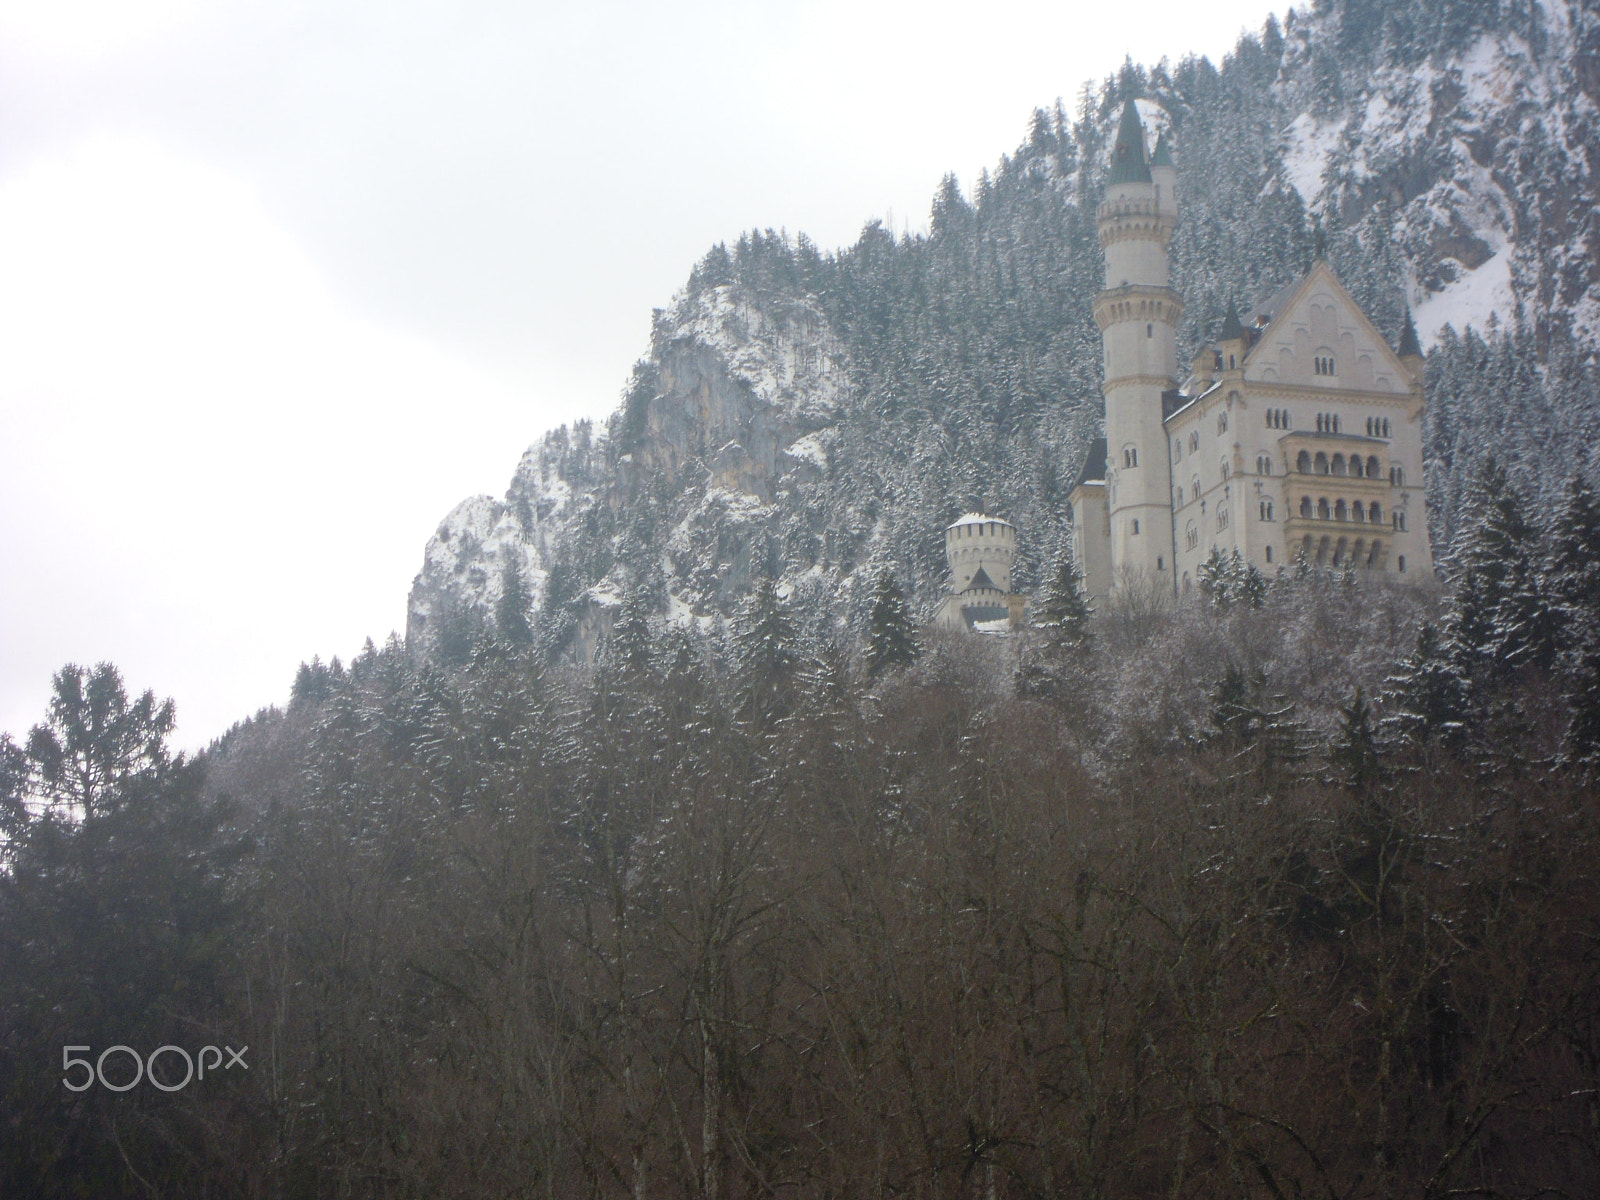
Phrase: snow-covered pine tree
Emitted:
{"points": [[1064, 611], [891, 635]]}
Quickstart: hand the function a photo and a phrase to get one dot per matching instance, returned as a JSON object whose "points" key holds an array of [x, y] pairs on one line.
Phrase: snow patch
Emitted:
{"points": [[1307, 147], [810, 449], [1470, 300]]}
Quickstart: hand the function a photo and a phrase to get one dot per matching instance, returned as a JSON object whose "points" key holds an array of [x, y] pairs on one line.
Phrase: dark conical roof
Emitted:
{"points": [[1409, 344], [1128, 164], [981, 580], [1231, 327], [1163, 155]]}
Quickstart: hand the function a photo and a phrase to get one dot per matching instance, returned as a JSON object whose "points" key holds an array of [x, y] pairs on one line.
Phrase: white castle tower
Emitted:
{"points": [[980, 550], [1138, 317]]}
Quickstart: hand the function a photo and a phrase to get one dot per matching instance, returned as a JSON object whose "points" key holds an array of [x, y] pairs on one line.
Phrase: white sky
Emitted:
{"points": [[282, 281]]}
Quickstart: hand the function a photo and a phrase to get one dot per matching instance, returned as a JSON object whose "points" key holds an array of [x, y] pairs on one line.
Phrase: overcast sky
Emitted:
{"points": [[282, 281]]}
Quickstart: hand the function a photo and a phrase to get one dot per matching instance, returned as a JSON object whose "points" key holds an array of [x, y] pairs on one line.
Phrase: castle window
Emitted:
{"points": [[1191, 537], [1321, 463], [1322, 364], [1196, 482], [1266, 510], [1397, 476], [1358, 511], [1130, 456], [1161, 563], [1305, 506], [1399, 521], [1227, 469], [1302, 462], [1222, 517], [1401, 562], [1355, 465], [1323, 513], [1186, 584], [1263, 464], [1136, 526], [1230, 362], [1269, 556], [1222, 422], [1374, 467], [1149, 331], [1194, 440], [1375, 514], [1385, 427], [1337, 466], [1339, 511]]}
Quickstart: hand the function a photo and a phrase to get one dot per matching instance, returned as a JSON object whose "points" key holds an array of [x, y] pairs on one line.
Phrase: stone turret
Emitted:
{"points": [[980, 550], [1138, 315]]}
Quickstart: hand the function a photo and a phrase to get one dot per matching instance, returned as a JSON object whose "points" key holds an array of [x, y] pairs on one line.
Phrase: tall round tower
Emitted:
{"points": [[1138, 318], [980, 550]]}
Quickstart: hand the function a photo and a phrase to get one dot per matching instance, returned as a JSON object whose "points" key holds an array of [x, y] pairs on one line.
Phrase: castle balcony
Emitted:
{"points": [[1338, 543], [1137, 302]]}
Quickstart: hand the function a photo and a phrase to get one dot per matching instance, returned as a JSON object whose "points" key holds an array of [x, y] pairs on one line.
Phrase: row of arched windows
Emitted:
{"points": [[1340, 510], [1278, 418], [1322, 364], [1355, 466], [1263, 464], [1378, 427], [1327, 422]]}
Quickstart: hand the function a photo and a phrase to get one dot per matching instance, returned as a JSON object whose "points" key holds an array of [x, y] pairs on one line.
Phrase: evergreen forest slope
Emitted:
{"points": [[809, 417]]}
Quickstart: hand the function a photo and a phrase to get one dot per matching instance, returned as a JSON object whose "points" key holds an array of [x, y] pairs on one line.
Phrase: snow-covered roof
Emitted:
{"points": [[977, 518]]}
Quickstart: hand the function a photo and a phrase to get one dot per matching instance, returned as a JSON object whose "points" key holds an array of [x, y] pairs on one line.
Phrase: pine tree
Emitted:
{"points": [[1355, 754], [1064, 611], [1574, 572], [891, 636], [1425, 691], [511, 612]]}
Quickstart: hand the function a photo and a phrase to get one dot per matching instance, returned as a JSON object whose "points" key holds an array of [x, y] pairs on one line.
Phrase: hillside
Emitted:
{"points": [[805, 416]]}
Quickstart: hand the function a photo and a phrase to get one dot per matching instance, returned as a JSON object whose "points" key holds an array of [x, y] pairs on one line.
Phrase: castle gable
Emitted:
{"points": [[1321, 338]]}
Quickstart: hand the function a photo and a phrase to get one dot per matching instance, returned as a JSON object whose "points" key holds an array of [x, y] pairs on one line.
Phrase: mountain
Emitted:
{"points": [[812, 417]]}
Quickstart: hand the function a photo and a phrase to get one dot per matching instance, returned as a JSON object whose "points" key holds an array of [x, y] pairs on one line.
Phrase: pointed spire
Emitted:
{"points": [[1163, 155], [1232, 327], [1128, 163], [1410, 347]]}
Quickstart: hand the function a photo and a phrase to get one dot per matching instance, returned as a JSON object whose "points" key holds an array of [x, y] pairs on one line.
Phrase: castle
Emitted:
{"points": [[1298, 432]]}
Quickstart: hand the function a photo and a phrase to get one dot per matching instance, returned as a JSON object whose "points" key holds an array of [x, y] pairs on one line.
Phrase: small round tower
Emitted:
{"points": [[980, 550]]}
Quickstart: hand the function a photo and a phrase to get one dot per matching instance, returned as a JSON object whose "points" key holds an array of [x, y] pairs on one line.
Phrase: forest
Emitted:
{"points": [[1291, 889]]}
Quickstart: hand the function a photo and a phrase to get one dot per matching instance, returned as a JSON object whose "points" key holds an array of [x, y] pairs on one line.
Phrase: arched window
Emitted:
{"points": [[1222, 421], [1385, 432], [1339, 510], [1337, 466], [1227, 469], [1302, 462], [1401, 561], [1358, 511], [1177, 449], [1321, 463], [1266, 510], [1222, 516], [1355, 465], [1136, 525], [1305, 506], [1322, 509], [1191, 537], [1374, 467], [1149, 331], [1186, 579], [1322, 364], [1375, 513], [1130, 456], [1195, 482], [1399, 521], [1263, 464], [1194, 440], [1397, 476], [1269, 556]]}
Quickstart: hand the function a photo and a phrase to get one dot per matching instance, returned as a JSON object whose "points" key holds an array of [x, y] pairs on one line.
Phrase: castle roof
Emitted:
{"points": [[1094, 467], [1232, 330], [1128, 163], [1163, 155], [978, 518], [981, 580]]}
